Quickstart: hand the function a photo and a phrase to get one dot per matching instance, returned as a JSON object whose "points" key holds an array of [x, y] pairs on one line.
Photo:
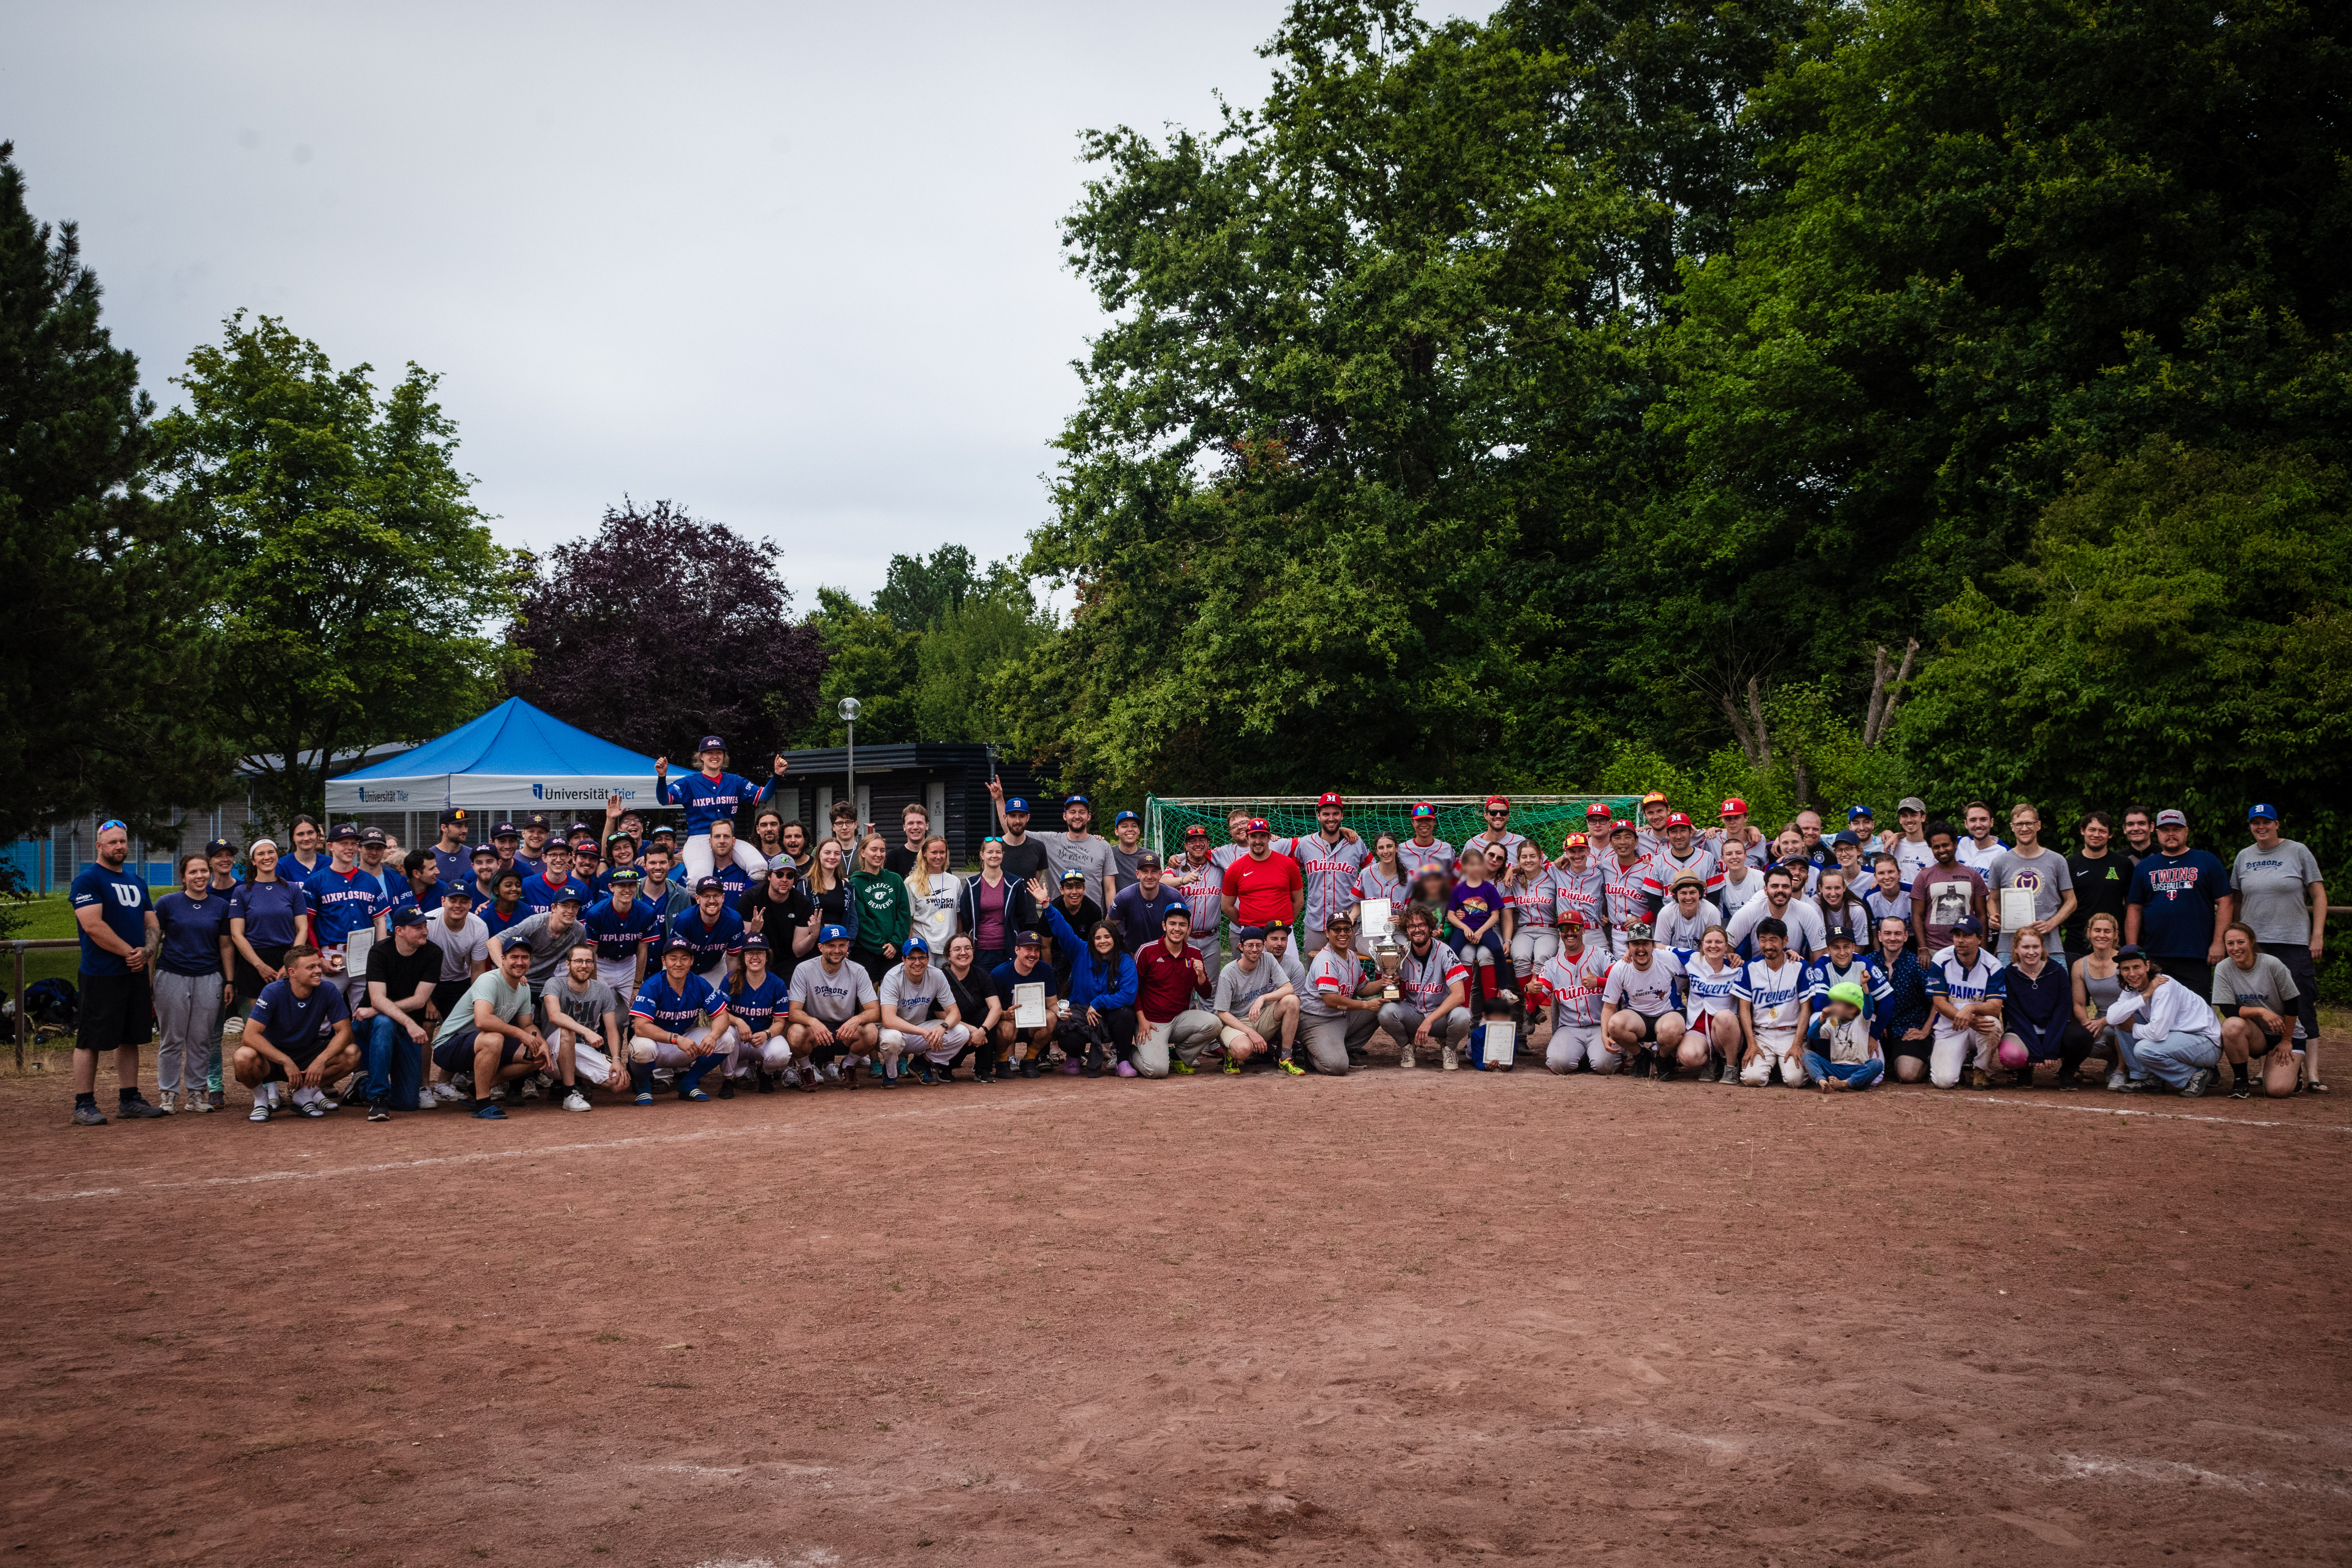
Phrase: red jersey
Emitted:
{"points": [[1265, 888]]}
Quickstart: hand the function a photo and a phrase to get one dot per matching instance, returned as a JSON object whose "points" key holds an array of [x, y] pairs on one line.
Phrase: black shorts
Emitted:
{"points": [[455, 1054], [2296, 956], [246, 984], [116, 1010], [1917, 1049], [1650, 1024]]}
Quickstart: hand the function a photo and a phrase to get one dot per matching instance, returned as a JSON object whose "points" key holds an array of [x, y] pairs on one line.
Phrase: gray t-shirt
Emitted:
{"points": [[830, 998], [1123, 863], [918, 1004], [2272, 886], [2043, 875], [549, 947], [1238, 987], [508, 1004], [461, 947], [1092, 855], [2267, 985], [589, 1008]]}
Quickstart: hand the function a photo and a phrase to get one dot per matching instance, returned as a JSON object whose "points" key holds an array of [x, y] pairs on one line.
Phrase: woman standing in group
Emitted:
{"points": [[1578, 889], [1902, 1017], [934, 894], [309, 851], [885, 917], [187, 986], [1384, 876], [988, 907], [267, 913], [973, 990], [506, 907], [2282, 895], [2098, 981], [1530, 894], [828, 889]]}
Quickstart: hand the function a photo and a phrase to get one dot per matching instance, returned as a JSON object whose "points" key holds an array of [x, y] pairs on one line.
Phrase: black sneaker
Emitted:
{"points": [[378, 1111], [2243, 1089], [761, 1081], [2199, 1082], [726, 1089], [2070, 1082], [136, 1108], [929, 1074], [1029, 1070], [88, 1115]]}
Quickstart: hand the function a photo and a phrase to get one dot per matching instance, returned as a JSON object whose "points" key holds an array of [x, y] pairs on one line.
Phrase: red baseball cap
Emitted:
{"points": [[1657, 795], [1571, 921], [1328, 797], [1257, 825], [1498, 800], [1575, 841], [1678, 819], [1597, 808], [1734, 807]]}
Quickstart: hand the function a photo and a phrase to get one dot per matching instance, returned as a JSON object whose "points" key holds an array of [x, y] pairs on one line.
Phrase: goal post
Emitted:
{"points": [[1546, 818]]}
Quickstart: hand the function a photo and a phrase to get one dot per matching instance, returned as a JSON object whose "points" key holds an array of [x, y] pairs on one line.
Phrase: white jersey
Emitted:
{"points": [[1532, 900], [1224, 855], [1372, 882], [1911, 859], [1203, 889], [1333, 972], [1436, 855], [1806, 933], [1578, 983], [1578, 893], [1651, 991], [1666, 866], [1707, 989], [1962, 984], [1681, 932], [1508, 841], [1774, 997], [1331, 872], [1735, 896], [1424, 981], [1981, 859]]}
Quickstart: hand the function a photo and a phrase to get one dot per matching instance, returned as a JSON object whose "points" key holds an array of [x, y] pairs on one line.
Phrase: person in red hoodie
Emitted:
{"points": [[1169, 980]]}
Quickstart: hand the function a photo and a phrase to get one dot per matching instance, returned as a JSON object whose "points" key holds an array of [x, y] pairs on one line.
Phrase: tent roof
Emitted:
{"points": [[512, 739]]}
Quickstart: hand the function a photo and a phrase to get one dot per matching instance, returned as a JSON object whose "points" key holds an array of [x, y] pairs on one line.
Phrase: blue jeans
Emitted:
{"points": [[396, 1065], [2176, 1058], [1857, 1074]]}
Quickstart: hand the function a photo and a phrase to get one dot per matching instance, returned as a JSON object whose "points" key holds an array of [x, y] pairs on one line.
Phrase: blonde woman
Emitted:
{"points": [[932, 894], [2098, 981]]}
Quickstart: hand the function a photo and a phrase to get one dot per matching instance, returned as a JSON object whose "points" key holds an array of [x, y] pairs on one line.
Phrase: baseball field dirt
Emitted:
{"points": [[1392, 1318]]}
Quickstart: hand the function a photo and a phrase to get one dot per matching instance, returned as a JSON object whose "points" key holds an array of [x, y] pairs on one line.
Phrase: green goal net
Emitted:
{"points": [[1546, 818]]}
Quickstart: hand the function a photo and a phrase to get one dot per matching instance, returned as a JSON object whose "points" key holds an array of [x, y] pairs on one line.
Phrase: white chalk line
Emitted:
{"points": [[2155, 1115]]}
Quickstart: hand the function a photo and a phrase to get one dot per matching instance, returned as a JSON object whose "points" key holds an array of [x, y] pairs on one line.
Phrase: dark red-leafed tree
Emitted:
{"points": [[663, 627]]}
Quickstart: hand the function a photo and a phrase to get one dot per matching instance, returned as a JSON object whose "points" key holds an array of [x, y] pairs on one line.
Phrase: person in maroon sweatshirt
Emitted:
{"points": [[1170, 981]]}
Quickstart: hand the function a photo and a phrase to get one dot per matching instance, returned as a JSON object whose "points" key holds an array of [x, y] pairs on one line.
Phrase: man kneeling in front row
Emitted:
{"points": [[489, 1038], [298, 1034]]}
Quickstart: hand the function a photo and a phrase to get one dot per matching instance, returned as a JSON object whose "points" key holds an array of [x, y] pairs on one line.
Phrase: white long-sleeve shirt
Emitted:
{"points": [[2168, 1007]]}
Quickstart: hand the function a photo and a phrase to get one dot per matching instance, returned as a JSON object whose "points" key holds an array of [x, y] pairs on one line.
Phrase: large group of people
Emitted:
{"points": [[640, 961]]}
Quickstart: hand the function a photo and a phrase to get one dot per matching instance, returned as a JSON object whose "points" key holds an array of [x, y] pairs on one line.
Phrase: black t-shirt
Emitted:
{"points": [[1025, 859], [971, 992], [782, 918], [2100, 888], [401, 976], [901, 860]]}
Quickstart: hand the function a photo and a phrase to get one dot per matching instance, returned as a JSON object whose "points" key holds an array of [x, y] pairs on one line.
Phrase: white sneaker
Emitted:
{"points": [[445, 1093], [260, 1111], [530, 1089], [1453, 1059], [167, 1102], [1404, 1057], [575, 1100]]}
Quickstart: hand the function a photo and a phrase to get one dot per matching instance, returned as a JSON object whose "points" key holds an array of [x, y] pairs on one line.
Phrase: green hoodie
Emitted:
{"points": [[884, 914]]}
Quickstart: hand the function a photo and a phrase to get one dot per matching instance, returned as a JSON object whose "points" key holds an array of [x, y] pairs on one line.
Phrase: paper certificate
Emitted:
{"points": [[2016, 909], [1375, 918], [355, 952], [1502, 1040], [1029, 1006]]}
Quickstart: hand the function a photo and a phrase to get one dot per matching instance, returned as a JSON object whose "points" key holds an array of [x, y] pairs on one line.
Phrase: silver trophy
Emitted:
{"points": [[1389, 958]]}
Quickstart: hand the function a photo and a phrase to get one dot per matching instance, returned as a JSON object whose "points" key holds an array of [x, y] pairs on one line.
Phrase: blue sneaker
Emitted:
{"points": [[644, 1100], [685, 1093], [489, 1113]]}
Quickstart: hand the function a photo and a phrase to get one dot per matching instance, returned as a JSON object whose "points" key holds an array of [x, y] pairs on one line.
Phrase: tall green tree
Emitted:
{"points": [[357, 583], [106, 654]]}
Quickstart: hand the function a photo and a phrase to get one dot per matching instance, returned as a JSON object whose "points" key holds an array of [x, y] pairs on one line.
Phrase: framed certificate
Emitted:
{"points": [[1502, 1042], [1029, 1006], [1375, 918], [355, 952]]}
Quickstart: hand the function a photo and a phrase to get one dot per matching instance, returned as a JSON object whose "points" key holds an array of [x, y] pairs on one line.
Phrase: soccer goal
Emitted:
{"points": [[1546, 818]]}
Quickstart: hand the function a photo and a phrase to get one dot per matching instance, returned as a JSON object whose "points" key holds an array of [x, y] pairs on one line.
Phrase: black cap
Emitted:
{"points": [[343, 830], [625, 877], [373, 835], [535, 819], [409, 915], [219, 846], [505, 830], [450, 813], [1147, 859], [755, 942]]}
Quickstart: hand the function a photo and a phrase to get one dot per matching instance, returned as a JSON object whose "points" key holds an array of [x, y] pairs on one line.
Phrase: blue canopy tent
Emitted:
{"points": [[513, 758]]}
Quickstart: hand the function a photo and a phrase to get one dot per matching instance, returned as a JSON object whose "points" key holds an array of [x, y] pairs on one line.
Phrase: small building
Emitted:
{"points": [[950, 779]]}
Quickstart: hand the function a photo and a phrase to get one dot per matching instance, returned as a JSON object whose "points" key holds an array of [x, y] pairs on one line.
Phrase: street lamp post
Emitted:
{"points": [[848, 711]]}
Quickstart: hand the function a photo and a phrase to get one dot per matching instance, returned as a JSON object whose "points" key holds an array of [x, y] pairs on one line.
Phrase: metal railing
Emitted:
{"points": [[20, 948]]}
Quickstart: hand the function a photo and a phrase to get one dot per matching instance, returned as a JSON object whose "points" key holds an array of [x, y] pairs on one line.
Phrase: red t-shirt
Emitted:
{"points": [[1265, 887], [1165, 982]]}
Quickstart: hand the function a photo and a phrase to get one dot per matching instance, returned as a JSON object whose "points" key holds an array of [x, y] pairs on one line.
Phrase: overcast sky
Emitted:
{"points": [[796, 267]]}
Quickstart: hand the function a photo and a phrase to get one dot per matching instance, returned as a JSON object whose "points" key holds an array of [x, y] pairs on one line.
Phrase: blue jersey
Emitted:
{"points": [[270, 911], [2177, 895], [529, 865], [737, 882], [539, 895], [192, 930], [711, 944], [298, 1025], [341, 905], [673, 1010], [121, 896], [453, 865], [619, 936], [757, 1006], [707, 800], [496, 923], [1876, 987]]}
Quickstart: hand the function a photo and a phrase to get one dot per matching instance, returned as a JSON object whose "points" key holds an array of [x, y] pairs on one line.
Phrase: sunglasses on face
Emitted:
{"points": [[1497, 811]]}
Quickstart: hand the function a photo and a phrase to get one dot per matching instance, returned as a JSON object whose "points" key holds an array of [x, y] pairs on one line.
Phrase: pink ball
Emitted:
{"points": [[2013, 1054]]}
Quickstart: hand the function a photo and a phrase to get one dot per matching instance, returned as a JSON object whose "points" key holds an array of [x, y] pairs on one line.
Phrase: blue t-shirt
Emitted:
{"points": [[676, 1011], [710, 944], [1007, 977], [757, 1006], [341, 905], [453, 865], [270, 911], [193, 929], [619, 936], [123, 898], [708, 800], [2177, 895], [295, 1025], [539, 894], [499, 923]]}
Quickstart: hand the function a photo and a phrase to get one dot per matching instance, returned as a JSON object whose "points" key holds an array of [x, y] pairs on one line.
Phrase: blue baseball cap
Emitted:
{"points": [[678, 944], [409, 915], [711, 744], [481, 849], [832, 933], [1856, 812], [505, 830], [755, 942], [916, 944], [1016, 803], [2262, 813], [1077, 800], [1848, 835], [1125, 816], [1967, 925], [623, 876]]}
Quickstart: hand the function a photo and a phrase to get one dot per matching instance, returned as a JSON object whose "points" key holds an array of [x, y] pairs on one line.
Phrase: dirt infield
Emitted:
{"points": [[1394, 1318]]}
